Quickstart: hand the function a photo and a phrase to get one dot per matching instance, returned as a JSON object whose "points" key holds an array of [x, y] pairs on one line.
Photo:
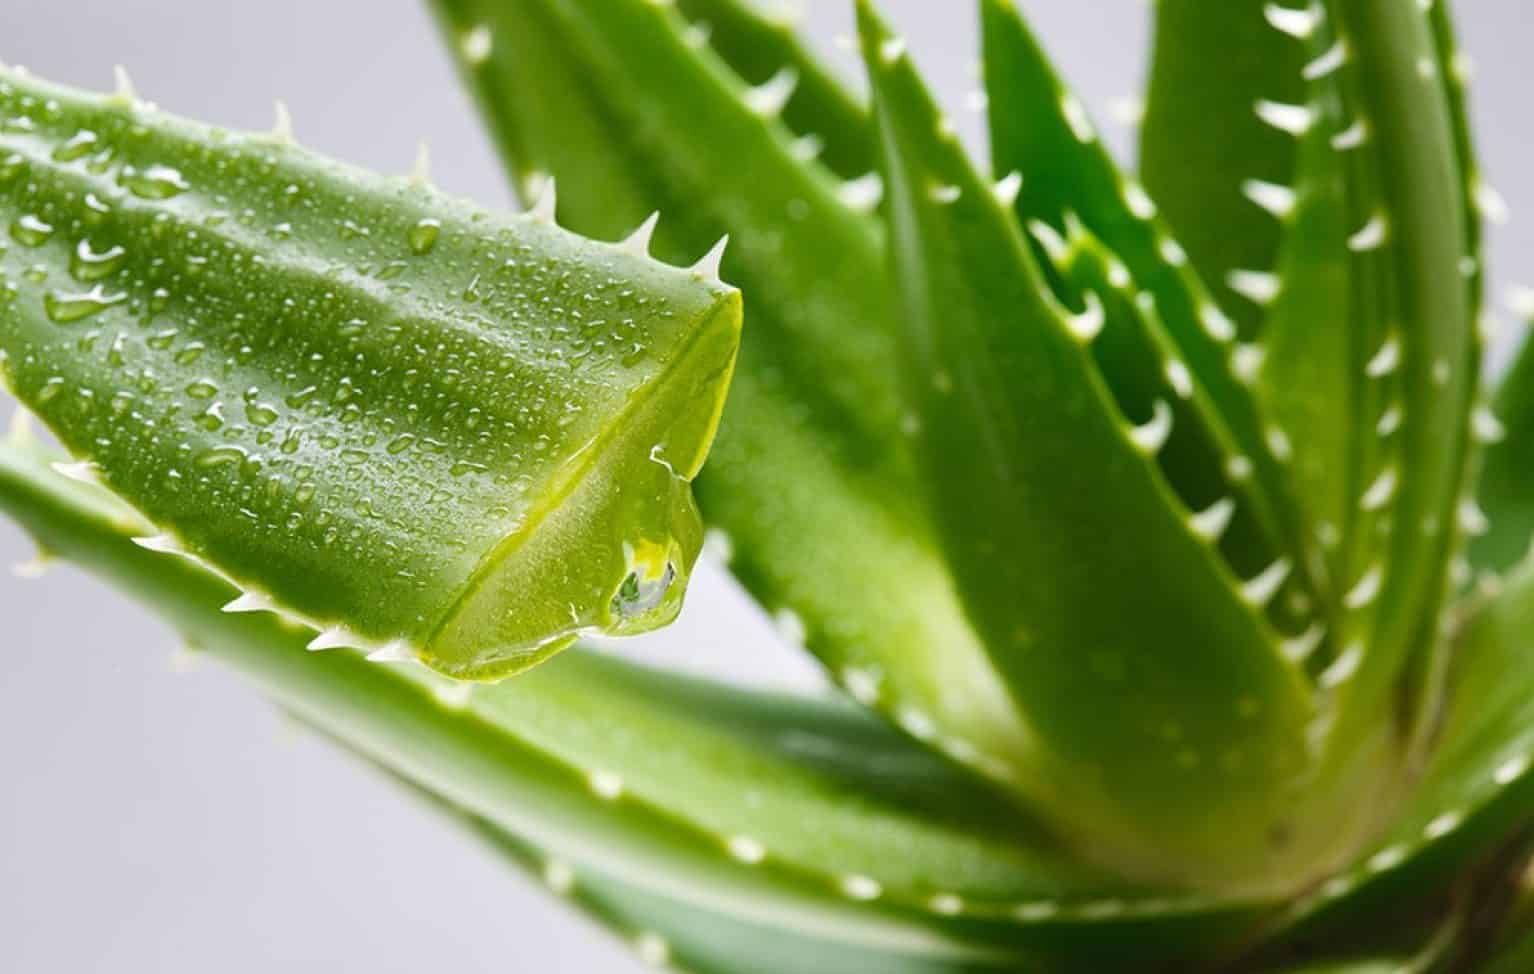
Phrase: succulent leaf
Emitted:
{"points": [[1143, 370], [1040, 130], [377, 409], [1506, 489], [761, 47], [1028, 460], [1477, 789], [1197, 88], [811, 480], [949, 880], [1408, 237], [1307, 334]]}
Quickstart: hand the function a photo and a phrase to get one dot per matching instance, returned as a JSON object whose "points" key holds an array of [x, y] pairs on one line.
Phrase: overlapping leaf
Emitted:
{"points": [[707, 813], [811, 481], [1031, 466], [381, 411]]}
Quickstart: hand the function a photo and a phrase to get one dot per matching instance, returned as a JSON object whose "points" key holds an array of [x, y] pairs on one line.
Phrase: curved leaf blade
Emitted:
{"points": [[379, 410], [836, 129], [1476, 791], [1506, 490], [1197, 88], [1042, 132], [1406, 197], [1029, 464], [811, 480], [816, 788]]}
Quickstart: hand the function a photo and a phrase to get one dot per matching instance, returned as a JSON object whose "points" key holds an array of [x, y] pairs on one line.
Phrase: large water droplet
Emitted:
{"points": [[66, 308], [423, 236], [79, 144], [92, 265], [220, 456], [212, 418], [31, 231], [154, 182], [651, 573], [260, 414]]}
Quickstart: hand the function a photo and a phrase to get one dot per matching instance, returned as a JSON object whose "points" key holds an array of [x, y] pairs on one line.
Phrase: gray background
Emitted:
{"points": [[160, 818]]}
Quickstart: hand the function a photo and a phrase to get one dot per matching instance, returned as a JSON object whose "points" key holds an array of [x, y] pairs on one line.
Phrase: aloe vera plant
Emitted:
{"points": [[1162, 531]]}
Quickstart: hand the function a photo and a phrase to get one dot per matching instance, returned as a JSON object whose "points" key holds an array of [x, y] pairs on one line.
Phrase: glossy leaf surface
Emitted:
{"points": [[775, 814], [378, 409], [811, 482]]}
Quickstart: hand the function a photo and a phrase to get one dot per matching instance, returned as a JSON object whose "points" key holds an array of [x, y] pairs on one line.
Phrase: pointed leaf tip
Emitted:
{"points": [[123, 85], [282, 122], [250, 602], [544, 209], [708, 266], [770, 97], [420, 173], [638, 242]]}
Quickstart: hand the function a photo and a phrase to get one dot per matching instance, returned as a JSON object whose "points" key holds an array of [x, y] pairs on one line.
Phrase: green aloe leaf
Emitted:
{"points": [[687, 939], [1308, 340], [763, 48], [811, 481], [1029, 463], [776, 816], [702, 941], [1143, 370], [1407, 237], [1506, 489], [1475, 792], [378, 409], [1197, 88], [1041, 132]]}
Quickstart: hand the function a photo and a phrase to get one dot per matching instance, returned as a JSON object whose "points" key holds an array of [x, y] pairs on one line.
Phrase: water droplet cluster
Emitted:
{"points": [[349, 389]]}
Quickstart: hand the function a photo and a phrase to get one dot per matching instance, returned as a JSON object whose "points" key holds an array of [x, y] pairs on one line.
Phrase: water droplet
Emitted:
{"points": [[212, 418], [66, 308], [154, 182], [220, 456], [79, 144], [202, 389], [400, 444], [98, 209], [260, 414], [31, 231], [92, 265], [423, 236]]}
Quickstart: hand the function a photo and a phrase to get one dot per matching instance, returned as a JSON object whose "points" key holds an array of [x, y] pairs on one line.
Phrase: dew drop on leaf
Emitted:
{"points": [[220, 456], [423, 236], [92, 265], [30, 231], [67, 308], [79, 144], [154, 182]]}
